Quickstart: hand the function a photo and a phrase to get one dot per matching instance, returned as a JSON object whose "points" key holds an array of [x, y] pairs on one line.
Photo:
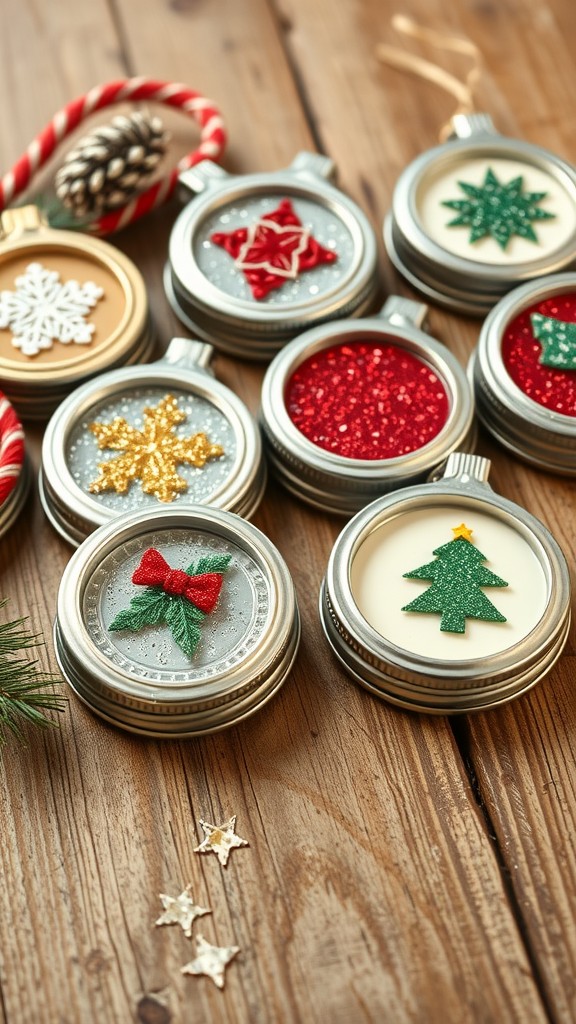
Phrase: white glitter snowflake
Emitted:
{"points": [[43, 310]]}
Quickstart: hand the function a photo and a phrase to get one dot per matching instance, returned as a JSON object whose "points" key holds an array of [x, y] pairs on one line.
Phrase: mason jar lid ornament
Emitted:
{"points": [[481, 213], [446, 597], [356, 408], [15, 473], [177, 624], [257, 258], [141, 437], [524, 373], [71, 306]]}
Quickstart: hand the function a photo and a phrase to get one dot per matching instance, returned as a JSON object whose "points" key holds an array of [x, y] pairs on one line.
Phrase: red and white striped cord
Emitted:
{"points": [[169, 94], [11, 448]]}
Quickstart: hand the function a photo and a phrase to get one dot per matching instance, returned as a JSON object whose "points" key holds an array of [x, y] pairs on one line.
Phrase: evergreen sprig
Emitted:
{"points": [[24, 695]]}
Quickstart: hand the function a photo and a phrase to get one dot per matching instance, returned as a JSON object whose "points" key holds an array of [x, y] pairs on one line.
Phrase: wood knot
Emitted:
{"points": [[97, 962], [150, 1011]]}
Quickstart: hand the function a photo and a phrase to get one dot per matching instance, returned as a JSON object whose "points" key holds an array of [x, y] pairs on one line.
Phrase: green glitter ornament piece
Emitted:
{"points": [[558, 340], [457, 576], [497, 210]]}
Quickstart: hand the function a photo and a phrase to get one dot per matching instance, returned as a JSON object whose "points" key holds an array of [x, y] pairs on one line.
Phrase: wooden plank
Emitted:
{"points": [[370, 889], [525, 764], [49, 56], [523, 755], [141, 48], [234, 53]]}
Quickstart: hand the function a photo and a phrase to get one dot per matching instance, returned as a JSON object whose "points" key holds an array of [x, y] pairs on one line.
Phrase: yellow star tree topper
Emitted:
{"points": [[462, 531], [150, 454]]}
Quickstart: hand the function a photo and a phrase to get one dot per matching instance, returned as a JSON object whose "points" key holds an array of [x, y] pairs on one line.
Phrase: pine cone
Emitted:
{"points": [[109, 166]]}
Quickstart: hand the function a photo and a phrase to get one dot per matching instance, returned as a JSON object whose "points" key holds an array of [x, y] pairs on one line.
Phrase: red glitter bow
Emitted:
{"points": [[202, 590]]}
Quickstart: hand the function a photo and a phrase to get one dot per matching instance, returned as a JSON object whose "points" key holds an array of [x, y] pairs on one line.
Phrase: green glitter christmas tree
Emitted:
{"points": [[558, 340], [498, 210], [457, 576]]}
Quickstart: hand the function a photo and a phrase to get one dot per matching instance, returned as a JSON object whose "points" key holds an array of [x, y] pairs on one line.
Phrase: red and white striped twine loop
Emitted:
{"points": [[11, 448], [169, 94]]}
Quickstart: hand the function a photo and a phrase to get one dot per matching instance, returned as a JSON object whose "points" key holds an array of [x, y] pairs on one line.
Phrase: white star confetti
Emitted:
{"points": [[43, 310], [211, 960], [181, 910], [220, 839]]}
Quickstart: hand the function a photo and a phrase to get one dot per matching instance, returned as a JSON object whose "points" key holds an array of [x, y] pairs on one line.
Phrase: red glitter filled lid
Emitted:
{"points": [[525, 373], [522, 353], [351, 410], [367, 400]]}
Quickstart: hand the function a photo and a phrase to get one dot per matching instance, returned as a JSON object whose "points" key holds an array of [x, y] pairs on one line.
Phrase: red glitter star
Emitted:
{"points": [[276, 248]]}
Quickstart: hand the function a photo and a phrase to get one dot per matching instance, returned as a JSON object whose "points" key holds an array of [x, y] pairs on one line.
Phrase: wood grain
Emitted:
{"points": [[523, 756], [399, 869]]}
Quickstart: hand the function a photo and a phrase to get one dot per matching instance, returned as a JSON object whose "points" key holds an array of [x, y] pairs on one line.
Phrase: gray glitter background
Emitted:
{"points": [[83, 454], [327, 229], [229, 633]]}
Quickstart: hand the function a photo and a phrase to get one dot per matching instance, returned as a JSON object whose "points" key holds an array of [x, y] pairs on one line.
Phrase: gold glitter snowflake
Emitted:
{"points": [[150, 454]]}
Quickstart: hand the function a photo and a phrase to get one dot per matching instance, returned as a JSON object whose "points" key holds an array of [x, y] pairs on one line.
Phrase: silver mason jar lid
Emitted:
{"points": [[442, 261], [207, 285], [233, 477], [538, 434], [142, 680], [329, 480], [403, 656]]}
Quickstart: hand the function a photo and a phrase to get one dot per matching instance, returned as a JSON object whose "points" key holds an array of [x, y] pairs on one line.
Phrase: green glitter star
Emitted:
{"points": [[455, 594], [558, 340], [498, 210]]}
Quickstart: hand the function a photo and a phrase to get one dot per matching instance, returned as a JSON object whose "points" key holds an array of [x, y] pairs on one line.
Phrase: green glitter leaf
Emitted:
{"points": [[183, 619], [558, 340], [146, 609], [210, 563], [497, 210], [456, 575]]}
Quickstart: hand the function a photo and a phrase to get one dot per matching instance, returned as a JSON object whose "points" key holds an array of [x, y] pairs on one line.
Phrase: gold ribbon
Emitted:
{"points": [[462, 90]]}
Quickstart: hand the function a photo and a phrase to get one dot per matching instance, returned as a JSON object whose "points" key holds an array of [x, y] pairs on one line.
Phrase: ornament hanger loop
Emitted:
{"points": [[463, 91], [170, 94]]}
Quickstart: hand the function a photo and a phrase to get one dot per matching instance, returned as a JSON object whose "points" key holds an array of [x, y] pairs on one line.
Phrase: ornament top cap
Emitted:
{"points": [[20, 219], [465, 126], [464, 466]]}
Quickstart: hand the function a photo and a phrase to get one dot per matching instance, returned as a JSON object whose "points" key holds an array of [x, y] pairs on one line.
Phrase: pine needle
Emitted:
{"points": [[24, 694]]}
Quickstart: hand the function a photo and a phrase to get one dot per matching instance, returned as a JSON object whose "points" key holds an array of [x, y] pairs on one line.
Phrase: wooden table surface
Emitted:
{"points": [[400, 867]]}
